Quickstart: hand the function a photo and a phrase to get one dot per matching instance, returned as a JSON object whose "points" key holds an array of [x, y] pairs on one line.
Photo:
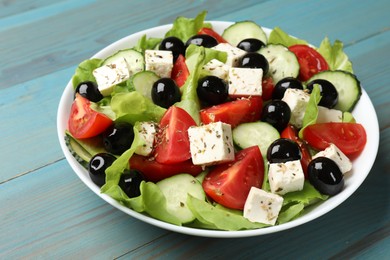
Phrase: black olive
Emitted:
{"points": [[204, 40], [277, 113], [254, 60], [165, 92], [250, 45], [97, 167], [118, 137], [173, 44], [325, 176], [283, 150], [130, 182], [329, 94], [89, 90], [212, 90], [284, 84]]}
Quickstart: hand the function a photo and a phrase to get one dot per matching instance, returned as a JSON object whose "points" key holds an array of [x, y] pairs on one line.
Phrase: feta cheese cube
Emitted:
{"points": [[245, 82], [263, 207], [326, 115], [334, 153], [233, 53], [147, 132], [297, 100], [216, 68], [211, 143], [160, 62], [107, 76], [286, 177]]}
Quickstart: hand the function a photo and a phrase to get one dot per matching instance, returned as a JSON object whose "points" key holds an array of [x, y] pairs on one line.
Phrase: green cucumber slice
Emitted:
{"points": [[143, 82], [176, 190], [282, 62], [255, 133], [347, 86], [243, 30]]}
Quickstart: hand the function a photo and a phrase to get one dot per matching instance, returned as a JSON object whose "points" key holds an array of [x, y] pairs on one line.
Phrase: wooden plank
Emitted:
{"points": [[50, 212], [28, 130], [10, 8], [77, 34]]}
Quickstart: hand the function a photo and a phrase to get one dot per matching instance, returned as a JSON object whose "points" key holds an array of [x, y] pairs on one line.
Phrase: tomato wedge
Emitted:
{"points": [[155, 171], [310, 61], [173, 144], [350, 138], [290, 132], [268, 87], [229, 184], [234, 112], [85, 122], [212, 33], [180, 71]]}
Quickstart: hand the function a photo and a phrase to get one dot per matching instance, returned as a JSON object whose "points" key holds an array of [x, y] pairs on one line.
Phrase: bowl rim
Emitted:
{"points": [[365, 160]]}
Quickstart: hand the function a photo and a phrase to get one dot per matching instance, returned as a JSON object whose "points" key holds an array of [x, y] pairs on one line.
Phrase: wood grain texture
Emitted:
{"points": [[47, 212]]}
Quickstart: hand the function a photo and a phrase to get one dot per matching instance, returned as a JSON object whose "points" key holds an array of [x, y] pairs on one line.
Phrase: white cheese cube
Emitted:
{"points": [[286, 177], [326, 115], [334, 153], [263, 207], [147, 132], [216, 68], [297, 100], [160, 62], [234, 54], [245, 82], [107, 76], [211, 143]]}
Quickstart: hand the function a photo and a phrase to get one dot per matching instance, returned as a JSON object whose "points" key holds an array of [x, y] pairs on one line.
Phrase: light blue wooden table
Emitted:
{"points": [[47, 212]]}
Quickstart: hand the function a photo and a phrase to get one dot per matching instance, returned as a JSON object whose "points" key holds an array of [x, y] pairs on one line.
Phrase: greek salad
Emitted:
{"points": [[228, 131]]}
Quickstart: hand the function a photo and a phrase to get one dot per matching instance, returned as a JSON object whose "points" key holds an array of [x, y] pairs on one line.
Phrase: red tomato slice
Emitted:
{"points": [[350, 138], [180, 71], [310, 61], [173, 144], [229, 184], [234, 112], [290, 132], [85, 122], [212, 33], [268, 88], [155, 171]]}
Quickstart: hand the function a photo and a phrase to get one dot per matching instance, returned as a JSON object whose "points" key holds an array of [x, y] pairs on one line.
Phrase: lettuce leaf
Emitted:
{"points": [[84, 71], [311, 112], [145, 43], [183, 27], [334, 55], [132, 107], [278, 36]]}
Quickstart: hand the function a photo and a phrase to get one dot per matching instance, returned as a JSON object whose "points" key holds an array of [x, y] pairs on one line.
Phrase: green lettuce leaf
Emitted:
{"points": [[278, 36], [334, 55], [183, 27], [132, 107], [84, 71], [145, 43], [218, 217], [311, 112]]}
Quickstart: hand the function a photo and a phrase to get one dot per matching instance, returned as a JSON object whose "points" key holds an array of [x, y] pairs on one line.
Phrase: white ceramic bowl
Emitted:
{"points": [[352, 181]]}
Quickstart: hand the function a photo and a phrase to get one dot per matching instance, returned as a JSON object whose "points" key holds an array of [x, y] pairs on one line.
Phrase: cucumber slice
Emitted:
{"points": [[282, 62], [243, 30], [255, 133], [134, 59], [143, 82], [347, 86], [176, 190], [83, 150]]}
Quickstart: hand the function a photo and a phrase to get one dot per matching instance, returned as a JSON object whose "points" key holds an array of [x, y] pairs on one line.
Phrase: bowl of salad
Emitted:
{"points": [[219, 129]]}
